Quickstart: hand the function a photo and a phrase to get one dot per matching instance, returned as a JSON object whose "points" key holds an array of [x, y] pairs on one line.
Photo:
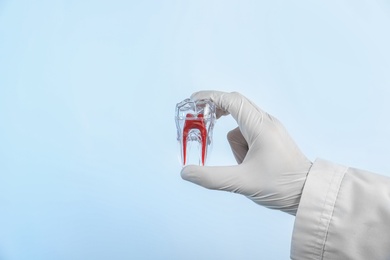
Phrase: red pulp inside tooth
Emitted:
{"points": [[194, 122]]}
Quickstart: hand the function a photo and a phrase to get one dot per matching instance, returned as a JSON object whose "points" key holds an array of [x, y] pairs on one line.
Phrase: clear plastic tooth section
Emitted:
{"points": [[194, 122]]}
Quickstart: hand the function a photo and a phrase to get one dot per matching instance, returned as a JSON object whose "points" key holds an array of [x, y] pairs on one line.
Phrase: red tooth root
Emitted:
{"points": [[194, 122]]}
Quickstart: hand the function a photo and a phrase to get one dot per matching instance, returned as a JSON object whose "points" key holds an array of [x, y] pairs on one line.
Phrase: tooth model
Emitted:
{"points": [[194, 121]]}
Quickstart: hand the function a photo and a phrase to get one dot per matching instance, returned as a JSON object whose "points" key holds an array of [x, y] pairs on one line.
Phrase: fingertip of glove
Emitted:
{"points": [[199, 94], [192, 174], [186, 172], [206, 94], [193, 96]]}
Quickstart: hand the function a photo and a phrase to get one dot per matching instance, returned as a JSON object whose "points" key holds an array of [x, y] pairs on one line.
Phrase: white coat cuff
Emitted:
{"points": [[315, 209]]}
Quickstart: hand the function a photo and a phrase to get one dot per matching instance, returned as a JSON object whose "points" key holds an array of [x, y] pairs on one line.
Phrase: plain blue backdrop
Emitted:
{"points": [[88, 155]]}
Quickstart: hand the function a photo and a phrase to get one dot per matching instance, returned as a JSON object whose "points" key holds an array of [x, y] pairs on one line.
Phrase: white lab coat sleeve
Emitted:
{"points": [[344, 213]]}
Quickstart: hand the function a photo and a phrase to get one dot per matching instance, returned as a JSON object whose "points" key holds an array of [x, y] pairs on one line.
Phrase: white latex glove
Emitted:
{"points": [[271, 169]]}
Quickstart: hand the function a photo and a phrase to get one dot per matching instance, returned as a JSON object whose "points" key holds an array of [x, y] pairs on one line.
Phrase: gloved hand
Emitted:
{"points": [[271, 169]]}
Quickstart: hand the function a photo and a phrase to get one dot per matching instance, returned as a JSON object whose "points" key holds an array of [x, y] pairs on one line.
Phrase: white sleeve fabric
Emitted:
{"points": [[344, 213]]}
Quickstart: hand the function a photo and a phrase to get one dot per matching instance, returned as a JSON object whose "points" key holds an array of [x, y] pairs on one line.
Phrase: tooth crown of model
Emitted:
{"points": [[195, 121]]}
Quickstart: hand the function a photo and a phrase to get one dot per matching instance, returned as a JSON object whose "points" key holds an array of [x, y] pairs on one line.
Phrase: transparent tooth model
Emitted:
{"points": [[195, 121]]}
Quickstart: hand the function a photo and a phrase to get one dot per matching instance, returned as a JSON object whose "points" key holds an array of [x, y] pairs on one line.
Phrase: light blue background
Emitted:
{"points": [[88, 159]]}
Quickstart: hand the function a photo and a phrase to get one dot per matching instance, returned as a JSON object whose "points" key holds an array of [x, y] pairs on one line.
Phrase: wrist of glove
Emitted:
{"points": [[271, 169]]}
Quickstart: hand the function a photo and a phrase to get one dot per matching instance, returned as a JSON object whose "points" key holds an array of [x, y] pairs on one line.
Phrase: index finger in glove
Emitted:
{"points": [[248, 116]]}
